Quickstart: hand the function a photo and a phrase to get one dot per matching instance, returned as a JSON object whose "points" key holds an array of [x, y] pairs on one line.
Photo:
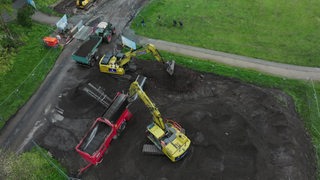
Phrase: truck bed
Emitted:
{"points": [[87, 47], [95, 138]]}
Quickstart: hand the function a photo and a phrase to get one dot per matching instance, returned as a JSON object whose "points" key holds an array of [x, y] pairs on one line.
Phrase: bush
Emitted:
{"points": [[9, 43], [24, 16]]}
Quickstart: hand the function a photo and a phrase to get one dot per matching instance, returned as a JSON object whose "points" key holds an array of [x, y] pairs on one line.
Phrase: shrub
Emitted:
{"points": [[24, 16]]}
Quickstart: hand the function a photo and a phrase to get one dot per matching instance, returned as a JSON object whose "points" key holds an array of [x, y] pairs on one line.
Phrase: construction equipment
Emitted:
{"points": [[87, 53], [166, 135], [51, 41], [84, 4], [119, 63], [105, 30], [97, 140]]}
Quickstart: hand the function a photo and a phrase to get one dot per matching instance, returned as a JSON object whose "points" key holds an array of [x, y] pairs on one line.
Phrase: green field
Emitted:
{"points": [[32, 165], [281, 31], [29, 66]]}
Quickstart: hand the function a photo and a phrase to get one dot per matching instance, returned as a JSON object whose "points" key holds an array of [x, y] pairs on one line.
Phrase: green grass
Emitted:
{"points": [[280, 31], [19, 83], [45, 7], [34, 164]]}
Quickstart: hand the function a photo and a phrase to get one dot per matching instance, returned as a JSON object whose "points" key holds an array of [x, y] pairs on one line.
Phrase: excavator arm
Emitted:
{"points": [[149, 48], [166, 136], [136, 89]]}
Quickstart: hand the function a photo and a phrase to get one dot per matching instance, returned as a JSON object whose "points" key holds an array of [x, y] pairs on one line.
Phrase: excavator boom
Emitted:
{"points": [[135, 88], [166, 136], [151, 48]]}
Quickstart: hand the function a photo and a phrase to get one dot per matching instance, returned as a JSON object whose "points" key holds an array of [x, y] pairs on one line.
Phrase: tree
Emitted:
{"points": [[24, 16], [5, 8]]}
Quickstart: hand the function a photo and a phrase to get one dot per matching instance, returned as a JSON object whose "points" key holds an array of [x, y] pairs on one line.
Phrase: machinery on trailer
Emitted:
{"points": [[97, 140], [84, 4], [119, 63], [87, 53], [105, 30], [166, 135]]}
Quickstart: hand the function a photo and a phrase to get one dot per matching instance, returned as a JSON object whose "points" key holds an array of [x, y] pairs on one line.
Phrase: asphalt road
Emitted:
{"points": [[16, 133]]}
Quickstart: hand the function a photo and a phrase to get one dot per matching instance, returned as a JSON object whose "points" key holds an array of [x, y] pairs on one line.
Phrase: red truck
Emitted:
{"points": [[97, 140]]}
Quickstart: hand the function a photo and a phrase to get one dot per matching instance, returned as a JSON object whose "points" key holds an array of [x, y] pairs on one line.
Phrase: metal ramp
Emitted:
{"points": [[83, 33], [116, 108], [151, 149], [98, 94]]}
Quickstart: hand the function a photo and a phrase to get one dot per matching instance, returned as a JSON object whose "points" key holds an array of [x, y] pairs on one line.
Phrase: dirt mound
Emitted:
{"points": [[238, 131], [181, 81]]}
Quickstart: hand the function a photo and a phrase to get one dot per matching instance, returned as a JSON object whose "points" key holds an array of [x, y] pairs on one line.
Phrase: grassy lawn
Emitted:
{"points": [[33, 165], [30, 65], [44, 6], [281, 31]]}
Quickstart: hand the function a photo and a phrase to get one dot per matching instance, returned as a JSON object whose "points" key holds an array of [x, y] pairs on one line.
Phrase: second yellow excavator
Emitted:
{"points": [[118, 64], [168, 135], [84, 4]]}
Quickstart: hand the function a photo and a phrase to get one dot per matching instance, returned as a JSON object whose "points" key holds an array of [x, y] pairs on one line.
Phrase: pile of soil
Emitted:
{"points": [[238, 130]]}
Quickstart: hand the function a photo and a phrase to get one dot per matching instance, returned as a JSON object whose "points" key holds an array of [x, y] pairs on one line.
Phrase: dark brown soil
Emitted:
{"points": [[238, 131]]}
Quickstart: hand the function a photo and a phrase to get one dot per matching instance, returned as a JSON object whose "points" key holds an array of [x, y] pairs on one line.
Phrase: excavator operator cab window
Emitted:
{"points": [[169, 137], [120, 55], [106, 58]]}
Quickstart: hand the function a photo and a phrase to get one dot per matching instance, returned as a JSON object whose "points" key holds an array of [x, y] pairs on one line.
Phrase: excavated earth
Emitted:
{"points": [[238, 130]]}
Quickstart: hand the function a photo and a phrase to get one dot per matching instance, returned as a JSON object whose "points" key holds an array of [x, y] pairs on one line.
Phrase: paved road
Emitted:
{"points": [[16, 133], [278, 69], [45, 19]]}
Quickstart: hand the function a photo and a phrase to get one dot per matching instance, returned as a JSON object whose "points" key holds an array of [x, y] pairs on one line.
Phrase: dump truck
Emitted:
{"points": [[96, 141], [87, 53]]}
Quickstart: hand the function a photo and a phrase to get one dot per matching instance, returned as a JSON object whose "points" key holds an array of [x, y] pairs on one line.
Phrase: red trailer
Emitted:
{"points": [[97, 140]]}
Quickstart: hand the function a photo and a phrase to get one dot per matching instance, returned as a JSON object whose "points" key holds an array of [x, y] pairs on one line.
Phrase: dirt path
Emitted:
{"points": [[44, 18]]}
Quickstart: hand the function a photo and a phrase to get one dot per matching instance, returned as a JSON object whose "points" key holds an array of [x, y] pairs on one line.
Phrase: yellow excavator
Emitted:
{"points": [[166, 135], [118, 64], [84, 4]]}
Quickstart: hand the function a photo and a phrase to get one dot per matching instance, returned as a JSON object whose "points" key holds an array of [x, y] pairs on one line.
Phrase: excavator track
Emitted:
{"points": [[151, 149]]}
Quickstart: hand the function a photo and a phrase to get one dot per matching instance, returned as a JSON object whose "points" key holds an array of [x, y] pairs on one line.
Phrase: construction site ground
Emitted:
{"points": [[238, 130]]}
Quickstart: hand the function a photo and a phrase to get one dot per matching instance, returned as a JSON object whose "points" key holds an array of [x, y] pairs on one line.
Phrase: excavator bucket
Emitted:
{"points": [[170, 67]]}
